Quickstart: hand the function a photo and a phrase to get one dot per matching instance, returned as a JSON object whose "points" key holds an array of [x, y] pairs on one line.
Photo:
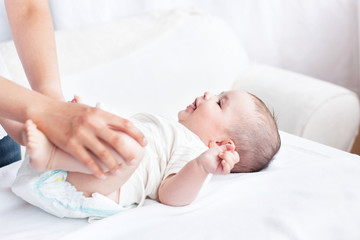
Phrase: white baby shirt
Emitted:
{"points": [[170, 146]]}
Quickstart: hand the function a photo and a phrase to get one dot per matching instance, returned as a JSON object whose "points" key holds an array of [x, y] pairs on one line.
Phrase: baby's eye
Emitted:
{"points": [[219, 102]]}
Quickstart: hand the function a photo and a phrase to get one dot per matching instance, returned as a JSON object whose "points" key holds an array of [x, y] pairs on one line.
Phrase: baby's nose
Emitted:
{"points": [[207, 95]]}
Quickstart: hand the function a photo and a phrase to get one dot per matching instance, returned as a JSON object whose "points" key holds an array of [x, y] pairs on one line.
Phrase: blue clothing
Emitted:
{"points": [[9, 151]]}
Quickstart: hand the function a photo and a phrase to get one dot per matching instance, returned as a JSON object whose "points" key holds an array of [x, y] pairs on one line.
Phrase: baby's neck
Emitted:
{"points": [[205, 141]]}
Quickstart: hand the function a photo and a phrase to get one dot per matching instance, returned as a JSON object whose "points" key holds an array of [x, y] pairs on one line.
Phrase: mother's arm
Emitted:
{"points": [[33, 34], [73, 127]]}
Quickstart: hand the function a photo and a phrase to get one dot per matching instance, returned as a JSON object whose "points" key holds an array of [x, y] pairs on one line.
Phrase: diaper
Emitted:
{"points": [[51, 192]]}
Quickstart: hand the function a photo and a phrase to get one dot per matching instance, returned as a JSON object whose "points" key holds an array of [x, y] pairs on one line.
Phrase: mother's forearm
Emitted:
{"points": [[14, 129], [33, 35], [19, 103]]}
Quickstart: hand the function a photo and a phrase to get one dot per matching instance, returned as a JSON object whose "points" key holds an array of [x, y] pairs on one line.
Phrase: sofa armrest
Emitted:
{"points": [[305, 106]]}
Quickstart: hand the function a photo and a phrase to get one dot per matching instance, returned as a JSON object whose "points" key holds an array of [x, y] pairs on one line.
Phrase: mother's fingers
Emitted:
{"points": [[79, 152], [103, 153], [81, 129], [120, 142], [101, 132], [126, 126]]}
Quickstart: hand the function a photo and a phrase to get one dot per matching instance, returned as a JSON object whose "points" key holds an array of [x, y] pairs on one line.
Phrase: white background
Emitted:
{"points": [[317, 38]]}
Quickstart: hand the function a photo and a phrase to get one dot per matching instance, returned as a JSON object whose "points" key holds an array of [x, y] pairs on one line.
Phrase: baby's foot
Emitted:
{"points": [[40, 149]]}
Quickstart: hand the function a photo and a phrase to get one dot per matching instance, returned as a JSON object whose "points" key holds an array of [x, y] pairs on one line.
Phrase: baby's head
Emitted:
{"points": [[239, 118]]}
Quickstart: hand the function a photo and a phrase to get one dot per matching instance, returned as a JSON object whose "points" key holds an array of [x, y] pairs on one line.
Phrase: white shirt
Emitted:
{"points": [[170, 147], [3, 73], [2, 133]]}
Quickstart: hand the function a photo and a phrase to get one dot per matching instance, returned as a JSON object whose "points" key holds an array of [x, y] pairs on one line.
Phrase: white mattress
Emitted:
{"points": [[310, 191]]}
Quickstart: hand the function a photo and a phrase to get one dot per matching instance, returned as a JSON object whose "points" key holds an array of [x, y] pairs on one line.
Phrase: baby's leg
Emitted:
{"points": [[46, 156], [110, 187]]}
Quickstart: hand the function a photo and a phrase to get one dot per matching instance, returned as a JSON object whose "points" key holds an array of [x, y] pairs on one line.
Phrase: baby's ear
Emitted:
{"points": [[211, 144], [227, 141]]}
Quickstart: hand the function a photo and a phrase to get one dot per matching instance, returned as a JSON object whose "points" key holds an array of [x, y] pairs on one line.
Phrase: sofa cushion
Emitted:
{"points": [[168, 58]]}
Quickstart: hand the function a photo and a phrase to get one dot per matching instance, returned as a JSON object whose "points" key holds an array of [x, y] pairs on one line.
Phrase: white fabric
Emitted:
{"points": [[2, 132], [5, 32], [170, 147], [157, 47], [3, 73], [149, 55], [309, 192]]}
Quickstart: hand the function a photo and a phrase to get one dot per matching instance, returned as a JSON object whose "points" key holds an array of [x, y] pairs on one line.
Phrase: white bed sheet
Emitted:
{"points": [[310, 191]]}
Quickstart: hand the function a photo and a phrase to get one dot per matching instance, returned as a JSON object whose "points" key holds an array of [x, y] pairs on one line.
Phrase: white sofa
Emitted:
{"points": [[158, 63], [305, 106], [187, 52]]}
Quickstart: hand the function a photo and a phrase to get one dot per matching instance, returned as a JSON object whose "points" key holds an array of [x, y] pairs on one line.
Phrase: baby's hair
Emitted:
{"points": [[257, 140]]}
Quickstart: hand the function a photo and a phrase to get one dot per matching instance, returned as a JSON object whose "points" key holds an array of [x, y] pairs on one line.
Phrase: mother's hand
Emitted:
{"points": [[78, 129]]}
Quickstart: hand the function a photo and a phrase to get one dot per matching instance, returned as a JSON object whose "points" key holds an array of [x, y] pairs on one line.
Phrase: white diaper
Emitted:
{"points": [[51, 192]]}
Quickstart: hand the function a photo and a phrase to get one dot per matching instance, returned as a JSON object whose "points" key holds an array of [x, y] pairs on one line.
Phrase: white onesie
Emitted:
{"points": [[170, 147]]}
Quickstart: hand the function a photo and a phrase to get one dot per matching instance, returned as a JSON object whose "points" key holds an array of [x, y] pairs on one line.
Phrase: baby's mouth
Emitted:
{"points": [[192, 106]]}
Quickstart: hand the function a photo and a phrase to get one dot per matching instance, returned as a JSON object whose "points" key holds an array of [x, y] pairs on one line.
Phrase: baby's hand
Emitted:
{"points": [[219, 159], [228, 159]]}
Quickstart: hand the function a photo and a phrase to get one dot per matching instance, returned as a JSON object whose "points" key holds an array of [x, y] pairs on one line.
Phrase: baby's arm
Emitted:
{"points": [[182, 188]]}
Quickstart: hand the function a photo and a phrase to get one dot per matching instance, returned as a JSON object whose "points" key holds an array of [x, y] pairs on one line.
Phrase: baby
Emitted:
{"points": [[216, 134]]}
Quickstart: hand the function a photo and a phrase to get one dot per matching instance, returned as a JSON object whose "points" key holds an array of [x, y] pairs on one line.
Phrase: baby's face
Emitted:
{"points": [[210, 115]]}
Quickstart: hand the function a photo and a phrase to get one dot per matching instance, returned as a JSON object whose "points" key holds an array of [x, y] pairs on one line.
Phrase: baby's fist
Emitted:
{"points": [[219, 159], [229, 158]]}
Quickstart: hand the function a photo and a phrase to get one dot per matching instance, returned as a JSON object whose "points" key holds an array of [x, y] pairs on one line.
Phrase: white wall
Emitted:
{"points": [[5, 33], [317, 38]]}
